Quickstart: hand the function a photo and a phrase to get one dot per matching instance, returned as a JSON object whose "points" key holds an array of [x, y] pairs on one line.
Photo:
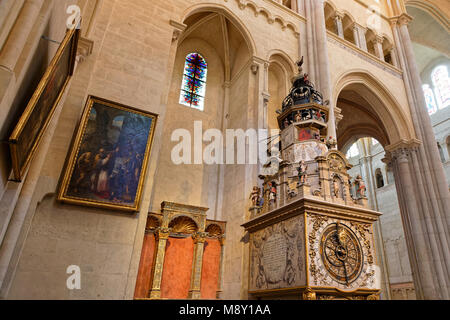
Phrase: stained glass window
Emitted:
{"points": [[429, 98], [193, 87], [441, 83]]}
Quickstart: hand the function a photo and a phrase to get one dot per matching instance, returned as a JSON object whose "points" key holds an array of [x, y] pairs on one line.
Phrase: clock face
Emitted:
{"points": [[341, 253]]}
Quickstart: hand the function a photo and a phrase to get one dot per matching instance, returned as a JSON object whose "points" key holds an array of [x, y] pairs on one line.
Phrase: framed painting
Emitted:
{"points": [[106, 166], [31, 126]]}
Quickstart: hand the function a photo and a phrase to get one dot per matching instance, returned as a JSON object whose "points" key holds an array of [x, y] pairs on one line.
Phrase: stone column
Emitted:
{"points": [[196, 275], [338, 24], [162, 235], [394, 58], [324, 74], [19, 34], [378, 43], [431, 185], [222, 252], [362, 37], [356, 35], [418, 245], [311, 61]]}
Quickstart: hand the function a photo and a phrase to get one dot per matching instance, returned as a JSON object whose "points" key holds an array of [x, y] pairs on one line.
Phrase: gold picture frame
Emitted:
{"points": [[31, 126], [109, 157]]}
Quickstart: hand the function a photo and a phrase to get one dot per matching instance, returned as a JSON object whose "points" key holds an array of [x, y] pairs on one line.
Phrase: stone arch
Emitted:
{"points": [[370, 41], [329, 12], [379, 179], [383, 117], [218, 8], [435, 12], [348, 23], [280, 71]]}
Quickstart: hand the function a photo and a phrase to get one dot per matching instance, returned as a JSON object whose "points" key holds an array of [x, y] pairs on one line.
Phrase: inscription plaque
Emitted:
{"points": [[274, 258]]}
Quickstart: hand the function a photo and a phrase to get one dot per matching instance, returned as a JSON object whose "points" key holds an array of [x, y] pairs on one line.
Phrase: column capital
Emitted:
{"points": [[178, 29], [379, 39], [400, 20], [163, 233], [402, 150], [338, 15], [199, 237]]}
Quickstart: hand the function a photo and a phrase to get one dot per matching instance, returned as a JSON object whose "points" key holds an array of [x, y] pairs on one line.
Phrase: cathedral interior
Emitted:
{"points": [[122, 176]]}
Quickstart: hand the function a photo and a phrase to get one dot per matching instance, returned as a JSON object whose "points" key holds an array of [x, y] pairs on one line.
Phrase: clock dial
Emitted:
{"points": [[341, 253]]}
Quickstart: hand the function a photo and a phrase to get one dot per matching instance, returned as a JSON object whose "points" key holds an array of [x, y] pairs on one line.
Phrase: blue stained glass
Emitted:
{"points": [[193, 88]]}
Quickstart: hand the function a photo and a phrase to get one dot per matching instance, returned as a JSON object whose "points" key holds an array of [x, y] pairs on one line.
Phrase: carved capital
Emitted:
{"points": [[178, 29], [163, 233], [379, 39], [401, 20], [338, 16], [200, 237], [402, 150]]}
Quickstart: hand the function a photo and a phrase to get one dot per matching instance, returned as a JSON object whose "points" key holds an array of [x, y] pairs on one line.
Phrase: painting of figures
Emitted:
{"points": [[108, 160], [32, 124]]}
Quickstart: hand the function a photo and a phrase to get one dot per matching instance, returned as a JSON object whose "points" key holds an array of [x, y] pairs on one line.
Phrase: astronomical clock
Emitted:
{"points": [[311, 231]]}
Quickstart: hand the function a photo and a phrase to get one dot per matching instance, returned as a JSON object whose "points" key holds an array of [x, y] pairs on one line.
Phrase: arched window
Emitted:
{"points": [[379, 178], [429, 98], [193, 88], [353, 151], [441, 83]]}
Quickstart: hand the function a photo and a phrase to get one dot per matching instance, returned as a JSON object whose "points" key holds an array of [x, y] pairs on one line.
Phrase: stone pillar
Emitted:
{"points": [[196, 276], [222, 252], [324, 73], [338, 24], [394, 58], [356, 35], [418, 246], [19, 34], [162, 235], [362, 37], [430, 181], [378, 43], [311, 61], [300, 7]]}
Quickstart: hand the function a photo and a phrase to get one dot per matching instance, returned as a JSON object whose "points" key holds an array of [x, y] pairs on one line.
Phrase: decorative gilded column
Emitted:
{"points": [[162, 235], [196, 276]]}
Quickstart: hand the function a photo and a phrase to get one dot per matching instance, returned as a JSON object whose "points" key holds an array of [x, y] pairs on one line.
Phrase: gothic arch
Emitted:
{"points": [[384, 120], [432, 10], [283, 58], [221, 9]]}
